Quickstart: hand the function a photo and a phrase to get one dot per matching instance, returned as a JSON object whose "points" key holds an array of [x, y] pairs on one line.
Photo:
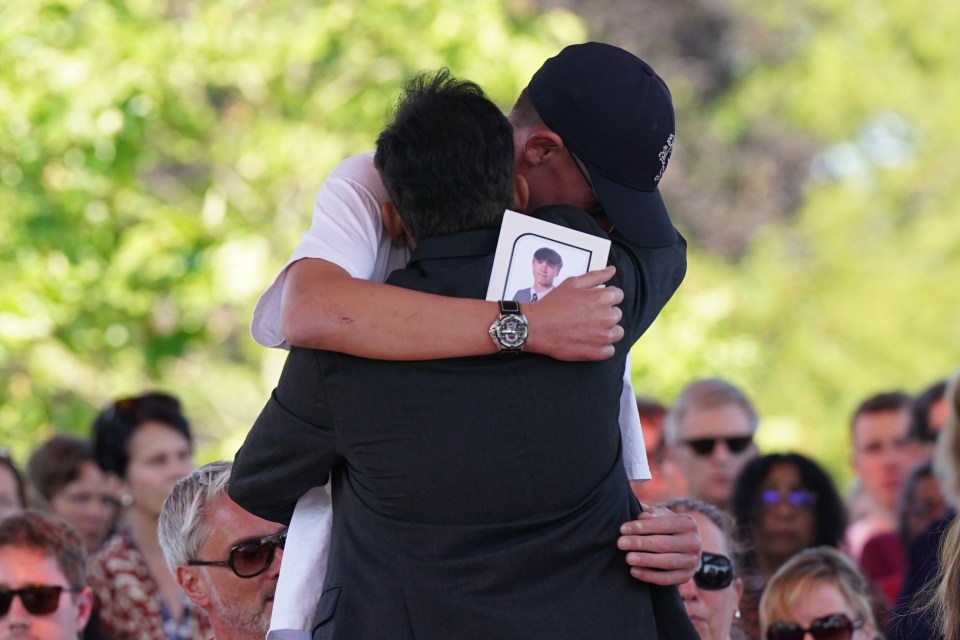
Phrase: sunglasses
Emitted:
{"points": [[801, 499], [705, 446], [833, 627], [38, 599], [714, 573], [249, 559]]}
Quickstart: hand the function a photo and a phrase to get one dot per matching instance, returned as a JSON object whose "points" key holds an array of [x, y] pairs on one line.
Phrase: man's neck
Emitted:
{"points": [[540, 289], [221, 632]]}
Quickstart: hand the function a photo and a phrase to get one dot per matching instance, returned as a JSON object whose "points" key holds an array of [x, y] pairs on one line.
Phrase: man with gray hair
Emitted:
{"points": [[709, 436], [227, 560], [43, 586]]}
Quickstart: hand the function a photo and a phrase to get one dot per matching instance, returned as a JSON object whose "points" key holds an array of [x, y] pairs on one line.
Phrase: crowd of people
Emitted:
{"points": [[168, 554], [502, 488]]}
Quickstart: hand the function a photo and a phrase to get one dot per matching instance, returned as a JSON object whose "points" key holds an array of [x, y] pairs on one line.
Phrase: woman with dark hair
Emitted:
{"points": [[145, 443], [783, 503], [68, 482], [13, 493]]}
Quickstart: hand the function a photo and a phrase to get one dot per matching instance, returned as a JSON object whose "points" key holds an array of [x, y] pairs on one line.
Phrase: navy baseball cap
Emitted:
{"points": [[615, 114]]}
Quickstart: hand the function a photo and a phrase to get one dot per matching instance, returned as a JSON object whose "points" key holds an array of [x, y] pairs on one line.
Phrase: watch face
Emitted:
{"points": [[512, 332]]}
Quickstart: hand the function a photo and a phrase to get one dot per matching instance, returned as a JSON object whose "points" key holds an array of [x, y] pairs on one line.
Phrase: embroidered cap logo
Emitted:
{"points": [[664, 157]]}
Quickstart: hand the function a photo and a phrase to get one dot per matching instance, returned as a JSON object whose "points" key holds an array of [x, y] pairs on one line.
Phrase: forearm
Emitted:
{"points": [[324, 307]]}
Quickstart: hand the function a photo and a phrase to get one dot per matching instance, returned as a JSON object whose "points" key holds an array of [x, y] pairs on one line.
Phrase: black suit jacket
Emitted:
{"points": [[475, 497]]}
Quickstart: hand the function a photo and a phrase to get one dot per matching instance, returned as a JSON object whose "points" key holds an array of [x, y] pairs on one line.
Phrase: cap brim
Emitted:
{"points": [[641, 216]]}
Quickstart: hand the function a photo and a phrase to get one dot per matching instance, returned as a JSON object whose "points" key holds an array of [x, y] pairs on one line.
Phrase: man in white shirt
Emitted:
{"points": [[330, 296]]}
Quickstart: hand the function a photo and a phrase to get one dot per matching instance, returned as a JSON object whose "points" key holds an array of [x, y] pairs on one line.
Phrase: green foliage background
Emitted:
{"points": [[158, 160]]}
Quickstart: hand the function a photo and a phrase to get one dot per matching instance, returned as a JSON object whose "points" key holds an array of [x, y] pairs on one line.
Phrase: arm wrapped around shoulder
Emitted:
{"points": [[290, 448]]}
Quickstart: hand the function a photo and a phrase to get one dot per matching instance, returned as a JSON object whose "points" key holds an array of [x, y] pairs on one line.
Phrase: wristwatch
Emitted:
{"points": [[509, 331]]}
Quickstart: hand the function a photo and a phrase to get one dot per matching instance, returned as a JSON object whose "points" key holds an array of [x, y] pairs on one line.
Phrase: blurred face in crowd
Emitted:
{"points": [[711, 610], [159, 456], [880, 454], [9, 496], [715, 444], [938, 413], [924, 505], [87, 504], [787, 519], [239, 608], [23, 567], [824, 603]]}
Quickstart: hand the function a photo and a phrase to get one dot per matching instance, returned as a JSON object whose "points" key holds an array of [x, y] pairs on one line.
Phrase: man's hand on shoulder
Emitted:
{"points": [[662, 547], [578, 320]]}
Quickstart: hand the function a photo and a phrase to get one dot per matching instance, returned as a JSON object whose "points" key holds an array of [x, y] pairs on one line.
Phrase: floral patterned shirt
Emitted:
{"points": [[128, 602]]}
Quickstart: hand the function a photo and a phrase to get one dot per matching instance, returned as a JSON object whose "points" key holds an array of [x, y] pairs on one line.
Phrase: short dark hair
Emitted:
{"points": [[920, 427], [49, 535], [446, 159], [115, 425], [745, 502], [882, 403], [7, 461], [57, 463], [548, 255]]}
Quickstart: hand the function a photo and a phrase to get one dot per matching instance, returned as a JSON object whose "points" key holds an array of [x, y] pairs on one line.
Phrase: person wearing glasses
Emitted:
{"points": [[712, 596], [227, 560], [782, 503], [145, 444], [708, 433], [43, 589], [820, 594]]}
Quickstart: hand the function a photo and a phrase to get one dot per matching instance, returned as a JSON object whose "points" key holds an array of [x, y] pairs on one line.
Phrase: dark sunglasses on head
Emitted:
{"points": [[714, 573], [39, 599], [802, 499], [251, 558], [832, 627], [704, 446]]}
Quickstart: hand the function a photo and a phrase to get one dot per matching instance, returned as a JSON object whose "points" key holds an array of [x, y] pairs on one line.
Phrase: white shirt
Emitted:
{"points": [[347, 230]]}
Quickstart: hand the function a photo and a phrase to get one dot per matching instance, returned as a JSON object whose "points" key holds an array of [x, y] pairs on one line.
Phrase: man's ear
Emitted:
{"points": [[193, 585], [541, 146], [84, 600], [521, 193], [393, 223]]}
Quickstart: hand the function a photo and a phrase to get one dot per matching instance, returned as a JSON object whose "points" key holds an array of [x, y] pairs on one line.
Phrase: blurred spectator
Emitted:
{"points": [[69, 483], [783, 503], [226, 559], [712, 597], [820, 593], [928, 414], [666, 481], [709, 436], [880, 460], [146, 443], [921, 502], [912, 620], [13, 493], [44, 595]]}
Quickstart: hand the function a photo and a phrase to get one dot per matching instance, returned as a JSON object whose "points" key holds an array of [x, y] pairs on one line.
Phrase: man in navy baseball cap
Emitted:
{"points": [[614, 122]]}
